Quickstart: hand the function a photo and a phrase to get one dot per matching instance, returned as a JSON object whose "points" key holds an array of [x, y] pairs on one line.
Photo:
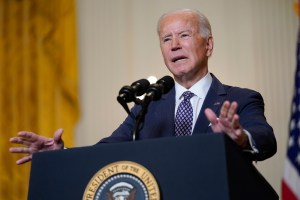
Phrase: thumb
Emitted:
{"points": [[58, 135], [211, 116]]}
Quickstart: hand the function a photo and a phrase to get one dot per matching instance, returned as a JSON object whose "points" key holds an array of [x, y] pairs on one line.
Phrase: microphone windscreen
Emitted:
{"points": [[141, 86], [167, 82]]}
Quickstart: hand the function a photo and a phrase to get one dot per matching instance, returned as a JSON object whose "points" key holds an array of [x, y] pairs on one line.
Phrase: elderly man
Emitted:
{"points": [[198, 104]]}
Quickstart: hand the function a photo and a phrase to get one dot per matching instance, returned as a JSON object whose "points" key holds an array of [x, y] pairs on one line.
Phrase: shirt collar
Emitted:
{"points": [[200, 88]]}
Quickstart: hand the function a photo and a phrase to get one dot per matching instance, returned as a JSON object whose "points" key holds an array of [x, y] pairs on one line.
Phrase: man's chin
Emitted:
{"points": [[179, 70], [180, 75]]}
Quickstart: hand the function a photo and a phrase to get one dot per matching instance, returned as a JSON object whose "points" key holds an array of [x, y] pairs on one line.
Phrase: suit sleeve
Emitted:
{"points": [[251, 110]]}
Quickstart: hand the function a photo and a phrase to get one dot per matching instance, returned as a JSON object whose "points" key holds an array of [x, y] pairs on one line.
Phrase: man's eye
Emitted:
{"points": [[166, 39], [184, 35]]}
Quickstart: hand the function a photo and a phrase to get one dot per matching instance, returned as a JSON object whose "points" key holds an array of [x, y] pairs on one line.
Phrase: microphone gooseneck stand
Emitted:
{"points": [[124, 104], [140, 117]]}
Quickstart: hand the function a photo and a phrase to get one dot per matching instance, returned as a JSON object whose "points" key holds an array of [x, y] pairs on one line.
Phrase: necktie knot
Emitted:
{"points": [[187, 95]]}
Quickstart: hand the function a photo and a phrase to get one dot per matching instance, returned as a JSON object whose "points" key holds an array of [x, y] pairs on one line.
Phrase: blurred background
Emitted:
{"points": [[62, 63]]}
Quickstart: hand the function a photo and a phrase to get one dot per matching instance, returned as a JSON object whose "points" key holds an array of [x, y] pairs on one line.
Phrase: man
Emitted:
{"points": [[186, 43]]}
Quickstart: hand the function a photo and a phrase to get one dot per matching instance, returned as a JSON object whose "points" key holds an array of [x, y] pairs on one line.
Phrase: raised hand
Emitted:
{"points": [[228, 122], [35, 143]]}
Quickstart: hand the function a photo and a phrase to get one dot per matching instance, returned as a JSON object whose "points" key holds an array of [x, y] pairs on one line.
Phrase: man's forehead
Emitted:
{"points": [[177, 25]]}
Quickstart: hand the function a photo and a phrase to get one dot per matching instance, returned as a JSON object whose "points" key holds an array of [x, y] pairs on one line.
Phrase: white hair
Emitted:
{"points": [[204, 25]]}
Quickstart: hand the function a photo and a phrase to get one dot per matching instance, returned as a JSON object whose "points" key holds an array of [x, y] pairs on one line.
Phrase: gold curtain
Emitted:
{"points": [[38, 79]]}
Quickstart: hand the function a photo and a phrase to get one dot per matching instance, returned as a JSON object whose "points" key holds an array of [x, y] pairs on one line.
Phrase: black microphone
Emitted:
{"points": [[128, 93], [162, 86]]}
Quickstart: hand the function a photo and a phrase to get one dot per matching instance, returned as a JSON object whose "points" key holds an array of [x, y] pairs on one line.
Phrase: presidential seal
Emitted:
{"points": [[123, 180]]}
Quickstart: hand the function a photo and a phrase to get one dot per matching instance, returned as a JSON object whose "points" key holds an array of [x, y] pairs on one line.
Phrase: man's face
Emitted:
{"points": [[184, 50]]}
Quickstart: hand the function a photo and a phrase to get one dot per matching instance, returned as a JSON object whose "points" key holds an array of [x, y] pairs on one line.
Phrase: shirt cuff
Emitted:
{"points": [[253, 149]]}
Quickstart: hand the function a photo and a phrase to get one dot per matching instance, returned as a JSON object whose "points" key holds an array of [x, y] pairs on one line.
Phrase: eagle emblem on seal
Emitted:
{"points": [[121, 191]]}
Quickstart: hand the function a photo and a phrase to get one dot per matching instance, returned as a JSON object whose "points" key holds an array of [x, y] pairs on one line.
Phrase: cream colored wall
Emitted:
{"points": [[255, 43]]}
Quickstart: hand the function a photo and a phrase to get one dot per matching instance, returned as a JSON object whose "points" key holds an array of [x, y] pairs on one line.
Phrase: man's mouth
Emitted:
{"points": [[178, 58]]}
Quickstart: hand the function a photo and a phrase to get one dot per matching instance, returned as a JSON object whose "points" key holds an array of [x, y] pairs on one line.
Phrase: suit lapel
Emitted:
{"points": [[214, 100], [167, 112]]}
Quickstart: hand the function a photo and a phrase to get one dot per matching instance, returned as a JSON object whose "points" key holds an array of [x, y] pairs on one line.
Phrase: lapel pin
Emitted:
{"points": [[217, 103]]}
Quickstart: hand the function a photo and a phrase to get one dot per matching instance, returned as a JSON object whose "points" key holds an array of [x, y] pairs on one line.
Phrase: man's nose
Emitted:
{"points": [[175, 44]]}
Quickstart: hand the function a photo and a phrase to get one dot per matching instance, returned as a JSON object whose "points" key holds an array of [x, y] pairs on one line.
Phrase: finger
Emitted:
{"points": [[24, 160], [224, 109], [58, 135], [28, 136], [231, 110], [211, 116], [17, 140], [19, 150], [236, 122]]}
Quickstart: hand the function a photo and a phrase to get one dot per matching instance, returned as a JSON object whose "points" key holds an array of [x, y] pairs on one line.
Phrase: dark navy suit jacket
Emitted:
{"points": [[159, 119]]}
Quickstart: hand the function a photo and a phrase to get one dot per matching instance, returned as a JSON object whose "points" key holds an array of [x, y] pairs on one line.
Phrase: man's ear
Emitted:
{"points": [[209, 46]]}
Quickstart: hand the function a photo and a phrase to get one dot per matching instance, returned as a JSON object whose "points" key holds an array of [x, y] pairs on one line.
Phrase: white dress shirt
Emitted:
{"points": [[200, 90]]}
